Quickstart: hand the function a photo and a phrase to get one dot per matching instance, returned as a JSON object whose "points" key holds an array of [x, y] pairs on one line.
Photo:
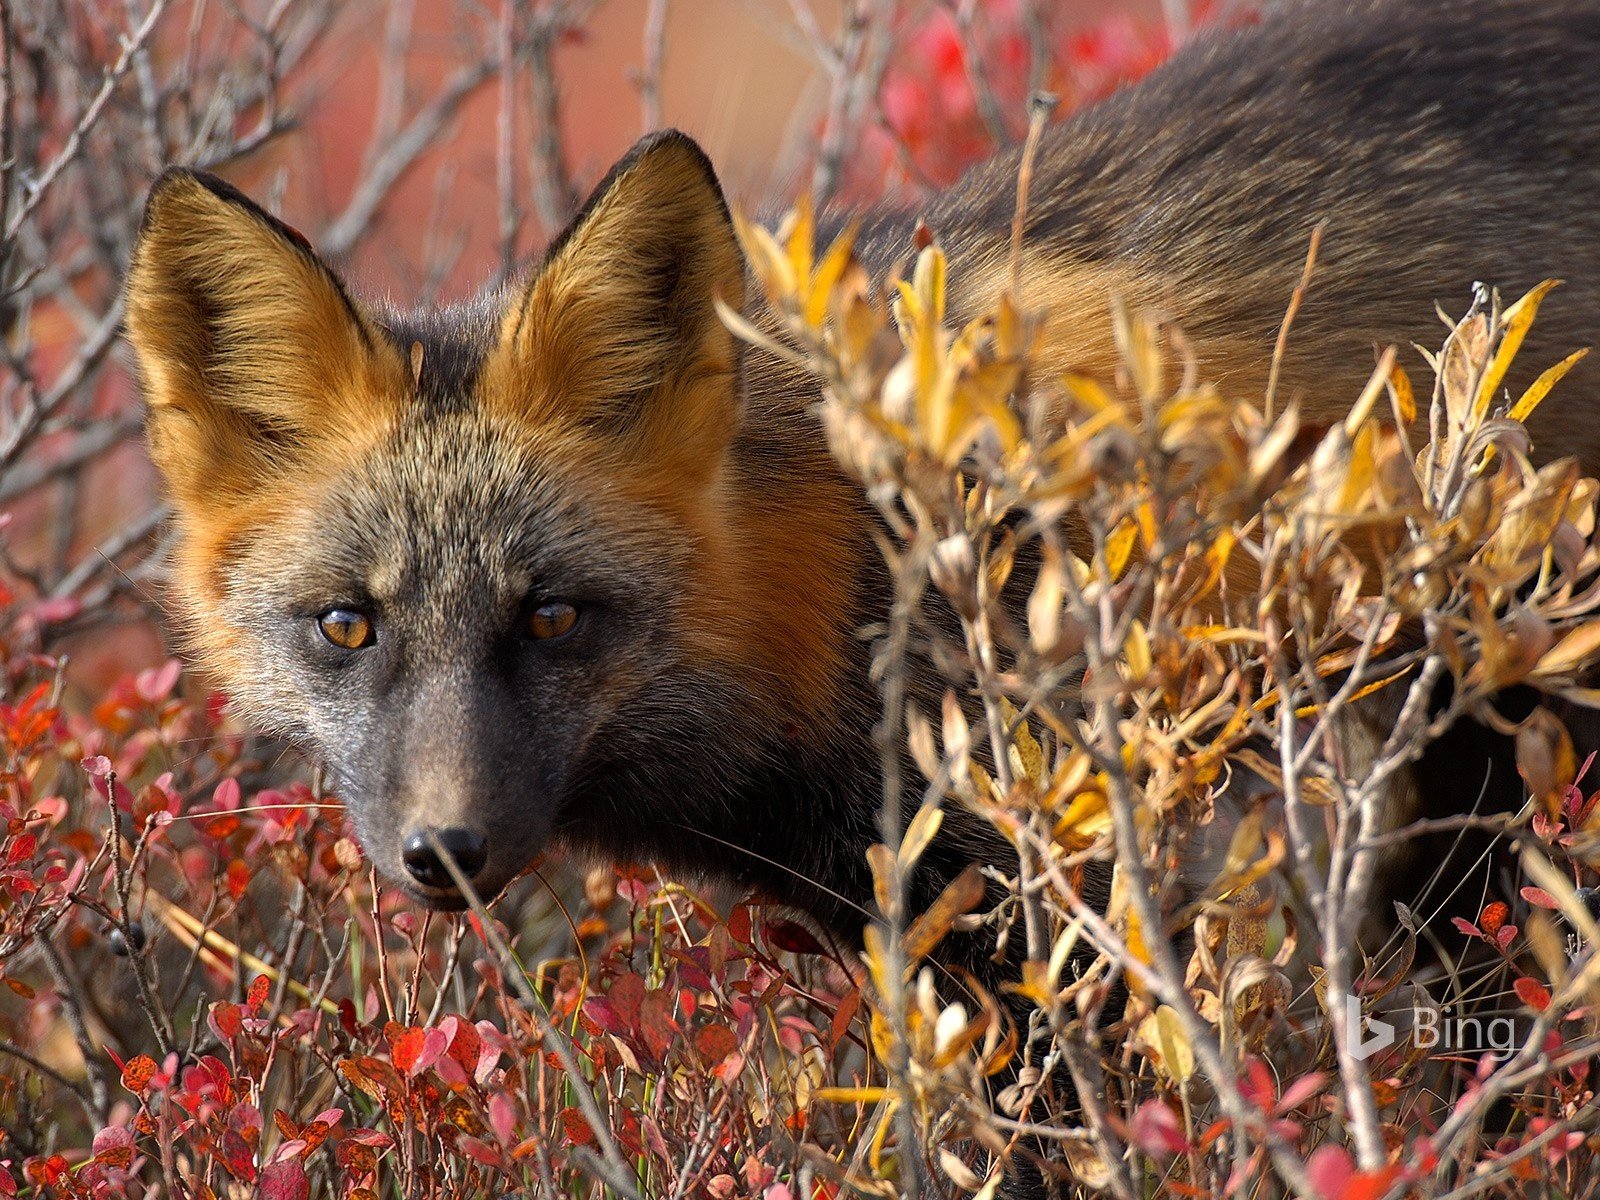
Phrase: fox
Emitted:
{"points": [[569, 565]]}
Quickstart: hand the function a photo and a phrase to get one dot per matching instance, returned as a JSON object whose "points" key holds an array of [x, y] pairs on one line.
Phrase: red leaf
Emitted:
{"points": [[656, 1023], [792, 936], [347, 1017], [1466, 927], [842, 1017], [465, 1044], [626, 997], [503, 1117], [113, 1146], [1301, 1090], [237, 1156], [434, 1042], [1424, 1155], [1330, 1170], [227, 1020], [1532, 993], [1540, 898], [284, 1181], [1156, 1130], [156, 684], [578, 1131], [1371, 1185], [1258, 1085], [715, 1043], [408, 1049], [256, 997]]}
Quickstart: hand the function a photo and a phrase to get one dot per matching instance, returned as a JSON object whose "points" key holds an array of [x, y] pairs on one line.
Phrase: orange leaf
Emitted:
{"points": [[1493, 917], [256, 997], [137, 1074]]}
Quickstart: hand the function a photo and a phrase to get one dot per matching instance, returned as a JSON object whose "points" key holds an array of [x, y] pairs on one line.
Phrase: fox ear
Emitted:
{"points": [[619, 329], [248, 345]]}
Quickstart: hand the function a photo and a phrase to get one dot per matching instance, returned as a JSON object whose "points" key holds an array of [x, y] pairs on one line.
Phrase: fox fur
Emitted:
{"points": [[596, 437]]}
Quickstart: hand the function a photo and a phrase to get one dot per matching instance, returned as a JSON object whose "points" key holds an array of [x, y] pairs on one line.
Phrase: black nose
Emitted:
{"points": [[469, 849]]}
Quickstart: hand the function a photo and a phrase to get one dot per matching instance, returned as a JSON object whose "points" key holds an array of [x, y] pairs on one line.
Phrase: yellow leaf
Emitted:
{"points": [[1362, 468], [1515, 322], [877, 956], [929, 280], [1369, 394], [881, 1135], [852, 1095], [1086, 817], [766, 257], [1119, 546], [1137, 651], [1084, 1157], [802, 231], [921, 831], [828, 273], [1044, 603], [1089, 393], [1138, 951], [1139, 346], [1146, 514], [1540, 387], [1027, 759], [1222, 635], [961, 895], [1217, 555], [1405, 398], [1278, 440], [1576, 650], [1172, 1043], [1065, 942], [882, 862]]}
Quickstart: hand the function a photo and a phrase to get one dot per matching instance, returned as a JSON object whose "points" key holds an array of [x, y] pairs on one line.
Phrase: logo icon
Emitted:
{"points": [[1370, 1034]]}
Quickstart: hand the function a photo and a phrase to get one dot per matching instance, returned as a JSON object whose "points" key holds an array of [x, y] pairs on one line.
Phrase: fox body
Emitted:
{"points": [[567, 565]]}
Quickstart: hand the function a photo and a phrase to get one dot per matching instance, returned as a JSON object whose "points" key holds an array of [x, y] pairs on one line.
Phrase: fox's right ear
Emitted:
{"points": [[618, 329], [248, 345]]}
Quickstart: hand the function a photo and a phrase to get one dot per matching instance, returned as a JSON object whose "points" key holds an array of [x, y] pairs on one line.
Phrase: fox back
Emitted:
{"points": [[566, 565]]}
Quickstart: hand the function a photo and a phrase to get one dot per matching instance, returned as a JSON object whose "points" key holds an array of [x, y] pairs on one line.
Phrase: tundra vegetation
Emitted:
{"points": [[209, 994]]}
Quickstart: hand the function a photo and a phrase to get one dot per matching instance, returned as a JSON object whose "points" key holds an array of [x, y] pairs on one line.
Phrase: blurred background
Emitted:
{"points": [[430, 147]]}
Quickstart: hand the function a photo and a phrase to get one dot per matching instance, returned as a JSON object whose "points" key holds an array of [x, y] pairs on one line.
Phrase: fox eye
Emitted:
{"points": [[552, 620], [346, 629]]}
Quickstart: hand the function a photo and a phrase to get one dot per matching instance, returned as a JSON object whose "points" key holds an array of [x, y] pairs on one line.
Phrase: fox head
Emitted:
{"points": [[499, 566]]}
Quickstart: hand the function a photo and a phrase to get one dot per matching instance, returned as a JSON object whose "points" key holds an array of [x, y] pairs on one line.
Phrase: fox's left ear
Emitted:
{"points": [[249, 347], [618, 329]]}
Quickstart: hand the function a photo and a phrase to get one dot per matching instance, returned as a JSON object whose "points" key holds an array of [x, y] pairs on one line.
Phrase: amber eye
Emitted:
{"points": [[552, 620], [346, 629]]}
